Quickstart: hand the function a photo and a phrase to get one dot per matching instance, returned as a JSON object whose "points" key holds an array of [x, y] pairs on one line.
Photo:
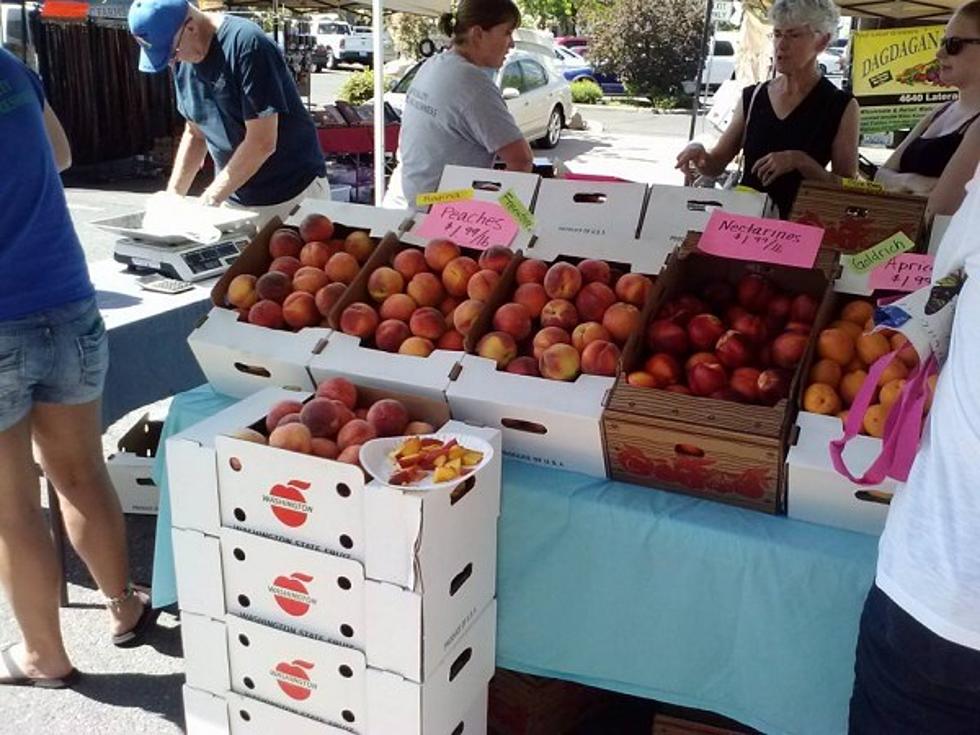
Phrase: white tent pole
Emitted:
{"points": [[377, 36]]}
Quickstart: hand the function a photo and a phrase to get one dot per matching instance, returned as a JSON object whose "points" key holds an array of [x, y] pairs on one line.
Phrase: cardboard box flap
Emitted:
{"points": [[592, 208], [490, 184], [812, 449], [142, 438], [249, 716], [377, 220], [640, 256], [672, 211]]}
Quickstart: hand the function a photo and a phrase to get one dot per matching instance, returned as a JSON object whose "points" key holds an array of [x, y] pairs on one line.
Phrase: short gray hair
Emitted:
{"points": [[820, 15]]}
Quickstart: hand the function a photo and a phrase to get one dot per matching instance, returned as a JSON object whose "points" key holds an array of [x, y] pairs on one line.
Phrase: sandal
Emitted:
{"points": [[17, 678], [134, 636]]}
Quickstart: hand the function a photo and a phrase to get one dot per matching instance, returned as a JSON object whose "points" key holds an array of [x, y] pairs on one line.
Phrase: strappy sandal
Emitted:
{"points": [[15, 677], [147, 619]]}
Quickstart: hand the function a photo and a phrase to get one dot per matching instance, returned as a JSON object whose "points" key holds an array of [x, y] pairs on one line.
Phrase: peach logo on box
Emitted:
{"points": [[293, 679], [288, 503], [291, 593]]}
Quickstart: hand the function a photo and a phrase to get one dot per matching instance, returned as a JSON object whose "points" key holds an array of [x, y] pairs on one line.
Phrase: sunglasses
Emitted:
{"points": [[954, 44]]}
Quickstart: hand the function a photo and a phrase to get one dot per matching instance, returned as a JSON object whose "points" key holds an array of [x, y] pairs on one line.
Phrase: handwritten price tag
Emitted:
{"points": [[440, 197], [516, 209], [471, 224], [907, 272], [740, 237], [861, 185], [878, 255]]}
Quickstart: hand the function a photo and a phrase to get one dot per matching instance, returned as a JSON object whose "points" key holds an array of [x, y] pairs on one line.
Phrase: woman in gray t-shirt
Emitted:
{"points": [[454, 113]]}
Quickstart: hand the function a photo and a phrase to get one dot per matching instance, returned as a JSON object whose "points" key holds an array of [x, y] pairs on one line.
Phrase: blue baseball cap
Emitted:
{"points": [[154, 24]]}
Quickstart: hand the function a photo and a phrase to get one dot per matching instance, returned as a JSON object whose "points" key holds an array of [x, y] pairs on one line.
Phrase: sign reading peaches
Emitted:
{"points": [[473, 224], [760, 240]]}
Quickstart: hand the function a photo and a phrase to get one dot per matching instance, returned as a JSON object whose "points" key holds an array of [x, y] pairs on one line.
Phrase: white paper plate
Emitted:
{"points": [[376, 458]]}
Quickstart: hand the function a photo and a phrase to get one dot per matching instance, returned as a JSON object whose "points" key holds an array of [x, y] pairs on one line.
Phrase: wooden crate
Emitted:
{"points": [[719, 450], [521, 704], [670, 725], [855, 220]]}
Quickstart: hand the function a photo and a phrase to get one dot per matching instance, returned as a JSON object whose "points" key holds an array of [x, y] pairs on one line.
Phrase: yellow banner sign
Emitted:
{"points": [[443, 197]]}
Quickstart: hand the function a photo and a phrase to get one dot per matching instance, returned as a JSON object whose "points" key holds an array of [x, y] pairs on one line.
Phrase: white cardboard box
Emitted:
{"points": [[239, 359], [132, 477], [328, 596], [817, 493], [673, 211], [334, 684], [377, 220]]}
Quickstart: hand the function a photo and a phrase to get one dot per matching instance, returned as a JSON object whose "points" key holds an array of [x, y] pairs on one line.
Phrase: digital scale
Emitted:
{"points": [[176, 256]]}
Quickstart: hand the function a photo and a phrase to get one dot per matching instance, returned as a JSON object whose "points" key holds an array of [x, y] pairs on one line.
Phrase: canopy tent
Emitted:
{"points": [[915, 10]]}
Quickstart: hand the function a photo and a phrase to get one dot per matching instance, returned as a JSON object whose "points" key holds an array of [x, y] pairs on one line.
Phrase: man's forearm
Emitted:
{"points": [[187, 162], [244, 164]]}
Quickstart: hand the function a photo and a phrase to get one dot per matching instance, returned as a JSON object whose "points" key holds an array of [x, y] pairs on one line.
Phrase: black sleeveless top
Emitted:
{"points": [[811, 127], [929, 156]]}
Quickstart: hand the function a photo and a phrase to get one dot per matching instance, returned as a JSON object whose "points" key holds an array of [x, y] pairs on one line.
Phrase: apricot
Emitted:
{"points": [[587, 332], [299, 310], [438, 254], [398, 306], [390, 335], [858, 312], [874, 420], [872, 346], [342, 267], [559, 313], [930, 391], [633, 288], [309, 279], [499, 347], [457, 274], [266, 313], [481, 285], [547, 337], [428, 322], [890, 392], [620, 320], [595, 271], [826, 371], [821, 398], [495, 258], [417, 347], [385, 282], [294, 437], [836, 345], [273, 286], [339, 389], [852, 329], [426, 289], [531, 271], [360, 245], [285, 242], [850, 384], [316, 254], [560, 362], [896, 369], [354, 432], [410, 262], [359, 319], [906, 351], [563, 281], [465, 314]]}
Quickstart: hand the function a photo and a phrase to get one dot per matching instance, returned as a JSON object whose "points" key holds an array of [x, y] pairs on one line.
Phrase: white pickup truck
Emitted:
{"points": [[337, 43]]}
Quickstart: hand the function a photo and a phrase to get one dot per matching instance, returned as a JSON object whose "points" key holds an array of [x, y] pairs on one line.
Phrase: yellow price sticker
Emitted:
{"points": [[443, 197], [516, 209], [879, 254], [861, 185]]}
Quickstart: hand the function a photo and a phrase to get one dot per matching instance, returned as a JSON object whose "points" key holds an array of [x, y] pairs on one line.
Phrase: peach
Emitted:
{"points": [[385, 282], [754, 292], [850, 328], [309, 279], [906, 351], [323, 447], [621, 320], [595, 271], [398, 306], [514, 319], [640, 379], [733, 350], [439, 253], [706, 378], [896, 369], [279, 411], [315, 227], [249, 435], [663, 335], [803, 309], [266, 313], [773, 385], [827, 371], [547, 337], [481, 285], [417, 347], [664, 369], [448, 305], [339, 389], [451, 340], [342, 267], [299, 310], [704, 331], [524, 366], [497, 346], [531, 271], [241, 291], [850, 384], [562, 362], [428, 322], [465, 314], [388, 417], [495, 258], [588, 332], [274, 286], [350, 455], [633, 288], [858, 312], [328, 296], [778, 312], [316, 254], [291, 418], [359, 319], [390, 335], [419, 427], [593, 300], [563, 281], [559, 313], [836, 345], [409, 262], [360, 413], [292, 437], [286, 264], [457, 274], [533, 297], [426, 289], [788, 349], [752, 326], [242, 315], [323, 417], [874, 420], [285, 241], [821, 398], [890, 392], [360, 245], [872, 346], [600, 358], [355, 432], [745, 383]]}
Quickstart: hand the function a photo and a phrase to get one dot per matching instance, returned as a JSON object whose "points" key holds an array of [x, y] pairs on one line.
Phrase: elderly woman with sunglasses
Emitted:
{"points": [[939, 156], [791, 127]]}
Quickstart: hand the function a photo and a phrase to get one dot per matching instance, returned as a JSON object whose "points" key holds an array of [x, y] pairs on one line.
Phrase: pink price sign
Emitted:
{"points": [[740, 237], [470, 224], [906, 272]]}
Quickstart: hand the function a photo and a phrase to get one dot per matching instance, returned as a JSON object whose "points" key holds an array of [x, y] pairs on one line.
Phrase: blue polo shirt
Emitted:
{"points": [[244, 77], [42, 264]]}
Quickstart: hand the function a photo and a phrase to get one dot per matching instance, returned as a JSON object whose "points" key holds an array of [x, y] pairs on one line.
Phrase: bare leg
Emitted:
{"points": [[69, 441], [28, 566]]}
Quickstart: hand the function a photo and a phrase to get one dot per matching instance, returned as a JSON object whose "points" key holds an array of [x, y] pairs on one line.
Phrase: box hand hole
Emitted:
{"points": [[529, 427], [462, 490], [460, 663], [696, 205], [874, 496], [145, 482], [487, 185], [458, 730], [254, 370], [460, 579], [856, 212], [235, 463], [589, 198], [246, 717], [688, 450]]}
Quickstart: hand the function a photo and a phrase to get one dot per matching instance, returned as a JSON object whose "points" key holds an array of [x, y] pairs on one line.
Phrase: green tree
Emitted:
{"points": [[563, 17], [408, 31]]}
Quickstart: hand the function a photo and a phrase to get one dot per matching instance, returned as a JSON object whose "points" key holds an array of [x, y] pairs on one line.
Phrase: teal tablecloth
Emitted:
{"points": [[655, 594]]}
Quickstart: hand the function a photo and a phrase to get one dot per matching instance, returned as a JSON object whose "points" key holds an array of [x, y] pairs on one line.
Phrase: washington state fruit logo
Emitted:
{"points": [[291, 593], [288, 503], [293, 679]]}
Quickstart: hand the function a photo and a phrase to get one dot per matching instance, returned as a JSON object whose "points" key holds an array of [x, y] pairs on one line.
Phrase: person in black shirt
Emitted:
{"points": [[940, 155], [791, 127]]}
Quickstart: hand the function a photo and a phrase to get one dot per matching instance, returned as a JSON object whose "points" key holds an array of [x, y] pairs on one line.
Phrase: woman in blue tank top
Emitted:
{"points": [[53, 360]]}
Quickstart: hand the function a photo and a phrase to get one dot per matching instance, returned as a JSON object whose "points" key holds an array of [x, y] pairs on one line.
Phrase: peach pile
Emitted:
{"points": [[310, 271], [739, 342], [845, 352], [564, 319], [425, 299], [334, 424]]}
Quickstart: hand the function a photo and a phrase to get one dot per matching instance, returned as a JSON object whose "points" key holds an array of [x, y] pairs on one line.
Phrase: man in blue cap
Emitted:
{"points": [[240, 103]]}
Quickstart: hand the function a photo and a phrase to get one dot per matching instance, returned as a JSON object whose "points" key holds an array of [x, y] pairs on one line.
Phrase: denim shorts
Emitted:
{"points": [[57, 355]]}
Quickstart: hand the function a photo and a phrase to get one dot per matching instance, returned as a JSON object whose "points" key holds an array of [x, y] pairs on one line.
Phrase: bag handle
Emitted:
{"points": [[745, 133]]}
